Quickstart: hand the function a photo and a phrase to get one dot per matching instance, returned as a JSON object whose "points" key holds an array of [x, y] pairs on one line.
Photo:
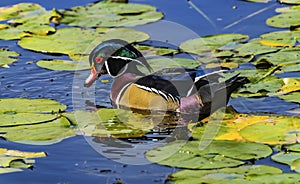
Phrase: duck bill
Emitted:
{"points": [[92, 77]]}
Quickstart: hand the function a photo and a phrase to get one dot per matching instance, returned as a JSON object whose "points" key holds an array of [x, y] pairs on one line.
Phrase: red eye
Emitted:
{"points": [[98, 59]]}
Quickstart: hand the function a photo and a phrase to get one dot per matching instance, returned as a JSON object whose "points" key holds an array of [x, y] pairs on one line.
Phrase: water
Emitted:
{"points": [[73, 160]]}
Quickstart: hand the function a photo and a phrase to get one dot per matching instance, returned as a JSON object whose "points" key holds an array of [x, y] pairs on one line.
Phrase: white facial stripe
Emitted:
{"points": [[128, 59], [208, 74]]}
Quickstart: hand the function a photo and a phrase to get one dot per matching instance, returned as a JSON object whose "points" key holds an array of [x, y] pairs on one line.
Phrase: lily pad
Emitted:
{"points": [[240, 174], [109, 14], [160, 63], [155, 51], [296, 165], [294, 147], [33, 121], [39, 134], [292, 67], [262, 88], [281, 130], [253, 47], [115, 123], [24, 105], [78, 41], [290, 1], [218, 154], [286, 158], [14, 160], [63, 65], [35, 22], [18, 10], [285, 20], [291, 97], [280, 38], [284, 56], [290, 85], [210, 43], [6, 57]]}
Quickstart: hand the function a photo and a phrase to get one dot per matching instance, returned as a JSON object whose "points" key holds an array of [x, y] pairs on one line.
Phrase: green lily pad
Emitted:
{"points": [[294, 147], [160, 63], [155, 51], [286, 178], [253, 47], [115, 123], [290, 1], [296, 165], [285, 20], [232, 175], [39, 134], [281, 130], [24, 105], [291, 97], [18, 10], [63, 65], [6, 57], [78, 41], [284, 56], [210, 43], [218, 154], [14, 160], [262, 88], [293, 67], [108, 14], [15, 112], [286, 158]]}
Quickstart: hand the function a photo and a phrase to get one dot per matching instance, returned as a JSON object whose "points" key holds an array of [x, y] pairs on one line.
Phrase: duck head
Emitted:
{"points": [[114, 57]]}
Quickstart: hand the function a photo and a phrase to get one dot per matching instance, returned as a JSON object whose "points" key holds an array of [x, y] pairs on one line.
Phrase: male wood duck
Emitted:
{"points": [[180, 90]]}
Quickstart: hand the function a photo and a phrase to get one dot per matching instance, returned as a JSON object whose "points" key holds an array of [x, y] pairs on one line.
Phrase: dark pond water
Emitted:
{"points": [[74, 160]]}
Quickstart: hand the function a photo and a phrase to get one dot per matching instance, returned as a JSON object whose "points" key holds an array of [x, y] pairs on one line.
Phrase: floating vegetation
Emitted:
{"points": [[7, 57], [15, 161]]}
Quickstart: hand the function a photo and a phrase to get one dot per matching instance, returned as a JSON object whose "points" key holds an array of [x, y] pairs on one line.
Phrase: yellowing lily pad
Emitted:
{"points": [[210, 43], [281, 130], [108, 14], [6, 57], [18, 10], [15, 161], [28, 23], [78, 41], [280, 38], [290, 85], [63, 65], [240, 174]]}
